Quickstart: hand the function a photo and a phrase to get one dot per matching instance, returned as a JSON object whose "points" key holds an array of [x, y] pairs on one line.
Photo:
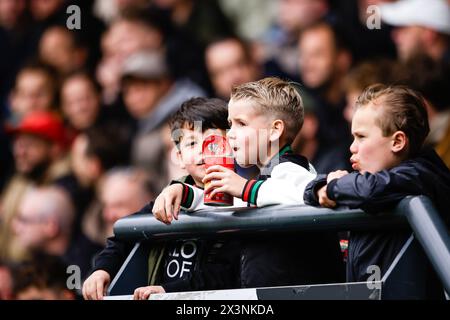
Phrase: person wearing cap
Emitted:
{"points": [[151, 95], [39, 145], [422, 27]]}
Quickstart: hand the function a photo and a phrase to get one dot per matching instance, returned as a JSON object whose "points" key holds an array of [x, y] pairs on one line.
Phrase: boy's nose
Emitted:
{"points": [[230, 134], [353, 147]]}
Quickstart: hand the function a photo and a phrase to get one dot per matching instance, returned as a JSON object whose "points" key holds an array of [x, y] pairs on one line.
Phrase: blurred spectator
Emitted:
{"points": [[123, 191], [199, 20], [151, 96], [324, 60], [422, 27], [132, 32], [48, 13], [43, 277], [14, 44], [365, 74], [35, 90], [324, 158], [92, 155], [365, 40], [39, 141], [39, 150], [62, 49], [44, 9], [229, 62], [44, 223], [251, 18], [81, 101], [280, 43], [109, 10], [434, 84], [6, 290], [6, 159], [11, 12]]}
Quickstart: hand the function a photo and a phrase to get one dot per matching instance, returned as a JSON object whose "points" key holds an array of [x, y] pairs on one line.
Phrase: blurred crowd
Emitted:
{"points": [[84, 138]]}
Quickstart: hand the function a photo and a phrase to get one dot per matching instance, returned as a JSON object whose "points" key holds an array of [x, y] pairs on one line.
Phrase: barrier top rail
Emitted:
{"points": [[417, 211], [252, 220]]}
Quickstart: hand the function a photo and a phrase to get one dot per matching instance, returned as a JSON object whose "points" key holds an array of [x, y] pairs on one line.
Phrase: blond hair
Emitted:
{"points": [[275, 97]]}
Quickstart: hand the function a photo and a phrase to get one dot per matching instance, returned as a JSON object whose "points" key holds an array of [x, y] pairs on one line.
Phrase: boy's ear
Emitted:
{"points": [[277, 130], [180, 159], [399, 141]]}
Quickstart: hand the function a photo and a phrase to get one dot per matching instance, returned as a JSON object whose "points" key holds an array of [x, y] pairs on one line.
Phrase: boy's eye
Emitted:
{"points": [[191, 144]]}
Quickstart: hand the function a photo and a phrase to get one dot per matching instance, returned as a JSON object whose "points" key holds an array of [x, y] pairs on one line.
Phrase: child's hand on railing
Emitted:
{"points": [[143, 293], [94, 287], [167, 204], [324, 201]]}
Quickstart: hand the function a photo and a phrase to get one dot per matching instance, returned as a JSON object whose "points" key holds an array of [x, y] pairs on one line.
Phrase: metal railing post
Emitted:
{"points": [[431, 233]]}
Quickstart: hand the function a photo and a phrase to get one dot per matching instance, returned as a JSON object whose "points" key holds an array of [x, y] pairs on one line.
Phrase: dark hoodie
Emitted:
{"points": [[186, 265]]}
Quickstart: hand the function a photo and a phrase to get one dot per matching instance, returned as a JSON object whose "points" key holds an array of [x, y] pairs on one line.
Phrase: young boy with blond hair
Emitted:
{"points": [[389, 127], [265, 117]]}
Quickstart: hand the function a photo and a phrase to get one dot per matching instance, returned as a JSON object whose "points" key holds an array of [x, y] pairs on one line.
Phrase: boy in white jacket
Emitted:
{"points": [[265, 117]]}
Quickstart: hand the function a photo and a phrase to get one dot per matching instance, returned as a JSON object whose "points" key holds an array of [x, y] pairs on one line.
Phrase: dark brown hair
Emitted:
{"points": [[211, 112]]}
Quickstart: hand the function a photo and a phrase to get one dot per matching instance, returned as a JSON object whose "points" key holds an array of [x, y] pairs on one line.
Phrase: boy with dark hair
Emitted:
{"points": [[265, 117], [389, 127], [210, 263]]}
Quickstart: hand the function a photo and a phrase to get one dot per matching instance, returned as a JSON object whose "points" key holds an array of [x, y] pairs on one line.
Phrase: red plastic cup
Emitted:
{"points": [[217, 151]]}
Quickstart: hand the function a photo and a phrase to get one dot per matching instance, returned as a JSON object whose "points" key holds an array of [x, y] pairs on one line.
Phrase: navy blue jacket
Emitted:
{"points": [[425, 174]]}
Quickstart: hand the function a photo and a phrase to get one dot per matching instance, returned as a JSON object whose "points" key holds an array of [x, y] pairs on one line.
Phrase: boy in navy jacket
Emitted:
{"points": [[389, 127]]}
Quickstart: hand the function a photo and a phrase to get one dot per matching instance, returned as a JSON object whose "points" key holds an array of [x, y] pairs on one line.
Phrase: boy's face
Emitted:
{"points": [[249, 133], [371, 151], [190, 152]]}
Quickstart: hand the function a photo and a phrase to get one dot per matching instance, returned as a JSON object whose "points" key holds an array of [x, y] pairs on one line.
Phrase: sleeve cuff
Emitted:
{"points": [[188, 194], [250, 191], [319, 182], [330, 188]]}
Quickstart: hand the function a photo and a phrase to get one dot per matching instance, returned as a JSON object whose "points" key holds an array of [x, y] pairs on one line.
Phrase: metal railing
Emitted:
{"points": [[418, 212]]}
